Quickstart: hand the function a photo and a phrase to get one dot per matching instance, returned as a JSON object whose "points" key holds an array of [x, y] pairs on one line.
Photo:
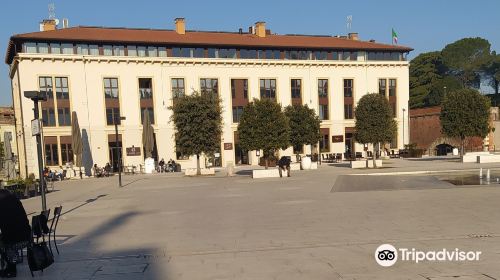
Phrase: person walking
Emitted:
{"points": [[284, 164], [15, 231]]}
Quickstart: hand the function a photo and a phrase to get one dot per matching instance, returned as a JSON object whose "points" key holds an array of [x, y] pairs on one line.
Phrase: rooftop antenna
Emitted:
{"points": [[52, 11], [349, 23]]}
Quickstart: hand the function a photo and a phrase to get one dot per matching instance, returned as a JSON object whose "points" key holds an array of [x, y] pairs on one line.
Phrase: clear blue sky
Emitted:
{"points": [[424, 25]]}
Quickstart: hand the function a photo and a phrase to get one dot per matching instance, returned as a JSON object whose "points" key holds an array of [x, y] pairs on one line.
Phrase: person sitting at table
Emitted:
{"points": [[15, 231]]}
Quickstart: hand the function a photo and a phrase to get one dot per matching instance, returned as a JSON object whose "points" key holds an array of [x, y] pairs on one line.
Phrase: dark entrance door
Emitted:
{"points": [[240, 155], [115, 153], [349, 145]]}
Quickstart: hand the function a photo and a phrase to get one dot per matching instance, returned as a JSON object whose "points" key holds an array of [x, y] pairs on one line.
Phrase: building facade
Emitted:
{"points": [[101, 73], [425, 132]]}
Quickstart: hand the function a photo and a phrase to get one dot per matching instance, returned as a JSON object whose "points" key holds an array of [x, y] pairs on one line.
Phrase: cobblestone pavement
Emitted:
{"points": [[319, 224]]}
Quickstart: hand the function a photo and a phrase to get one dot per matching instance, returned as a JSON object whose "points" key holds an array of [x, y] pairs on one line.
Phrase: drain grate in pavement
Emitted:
{"points": [[461, 277], [475, 235], [122, 269]]}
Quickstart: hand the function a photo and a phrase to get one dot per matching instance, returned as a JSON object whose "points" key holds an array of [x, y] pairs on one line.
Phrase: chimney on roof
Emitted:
{"points": [[65, 23], [372, 40], [48, 25], [260, 29], [180, 26], [353, 36]]}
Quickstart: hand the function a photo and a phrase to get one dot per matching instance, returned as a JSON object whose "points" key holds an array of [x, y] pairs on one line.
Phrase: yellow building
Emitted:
{"points": [[103, 72]]}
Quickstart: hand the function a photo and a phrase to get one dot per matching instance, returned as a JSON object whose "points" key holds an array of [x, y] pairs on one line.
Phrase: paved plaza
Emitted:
{"points": [[318, 224]]}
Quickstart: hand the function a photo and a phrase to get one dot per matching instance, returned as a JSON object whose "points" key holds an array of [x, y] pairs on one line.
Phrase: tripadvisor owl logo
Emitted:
{"points": [[386, 255]]}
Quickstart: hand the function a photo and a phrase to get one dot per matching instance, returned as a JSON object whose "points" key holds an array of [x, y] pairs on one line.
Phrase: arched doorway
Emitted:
{"points": [[443, 149]]}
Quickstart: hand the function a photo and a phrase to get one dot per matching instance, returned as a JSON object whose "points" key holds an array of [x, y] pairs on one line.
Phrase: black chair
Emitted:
{"points": [[53, 227], [338, 157], [359, 155]]}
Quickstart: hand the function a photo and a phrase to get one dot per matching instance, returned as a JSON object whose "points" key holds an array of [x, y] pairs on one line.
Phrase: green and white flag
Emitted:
{"points": [[394, 37]]}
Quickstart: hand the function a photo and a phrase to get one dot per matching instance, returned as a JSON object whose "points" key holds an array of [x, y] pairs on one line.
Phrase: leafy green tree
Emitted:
{"points": [[465, 113], [304, 125], [425, 71], [465, 58], [492, 71], [198, 124], [264, 126], [375, 123], [439, 88]]}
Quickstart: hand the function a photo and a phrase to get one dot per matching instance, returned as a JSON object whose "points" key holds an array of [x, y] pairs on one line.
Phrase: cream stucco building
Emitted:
{"points": [[103, 72]]}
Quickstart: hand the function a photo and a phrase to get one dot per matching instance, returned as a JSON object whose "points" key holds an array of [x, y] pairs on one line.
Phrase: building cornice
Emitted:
{"points": [[177, 61]]}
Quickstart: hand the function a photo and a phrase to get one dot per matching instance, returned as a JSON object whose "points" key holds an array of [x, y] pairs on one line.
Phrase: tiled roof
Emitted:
{"points": [[202, 38]]}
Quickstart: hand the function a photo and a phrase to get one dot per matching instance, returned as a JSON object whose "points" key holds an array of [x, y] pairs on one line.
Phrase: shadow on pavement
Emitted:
{"points": [[84, 259]]}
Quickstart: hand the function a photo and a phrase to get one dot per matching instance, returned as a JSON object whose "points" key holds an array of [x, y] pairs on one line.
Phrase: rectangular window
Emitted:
{"points": [[392, 87], [111, 88], [239, 87], [66, 153], [198, 52], [212, 53], [67, 48], [248, 54], [162, 52], [152, 52], [145, 88], [51, 155], [112, 115], [227, 53], [62, 91], [320, 55], [131, 50], [107, 50], [82, 49], [94, 49], [268, 88], [209, 86], [323, 111], [324, 142], [348, 86], [335, 56], [151, 113], [64, 116], [323, 88], [296, 88], [382, 86], [118, 50], [43, 48], [45, 84], [178, 89], [48, 117], [55, 48], [346, 55], [141, 51], [273, 54], [30, 47], [348, 112], [237, 112]]}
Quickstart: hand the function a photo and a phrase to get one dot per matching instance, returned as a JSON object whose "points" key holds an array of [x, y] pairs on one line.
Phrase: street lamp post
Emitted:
{"points": [[404, 110], [37, 96], [118, 119]]}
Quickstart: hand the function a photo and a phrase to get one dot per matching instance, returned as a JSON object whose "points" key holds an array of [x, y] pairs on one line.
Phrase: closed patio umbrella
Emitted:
{"points": [[76, 141], [147, 135], [9, 160]]}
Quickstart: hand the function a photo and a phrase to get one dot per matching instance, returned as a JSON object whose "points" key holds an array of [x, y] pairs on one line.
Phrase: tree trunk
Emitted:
{"points": [[267, 161], [198, 169], [375, 152], [462, 146]]}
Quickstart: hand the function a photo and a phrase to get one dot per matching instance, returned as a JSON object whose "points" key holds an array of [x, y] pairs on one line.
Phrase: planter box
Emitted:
{"points": [[266, 173], [204, 171], [365, 163], [271, 162], [294, 166], [488, 158]]}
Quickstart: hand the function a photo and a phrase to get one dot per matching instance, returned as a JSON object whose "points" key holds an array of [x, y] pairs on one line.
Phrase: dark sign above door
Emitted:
{"points": [[228, 146], [133, 151], [337, 138]]}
